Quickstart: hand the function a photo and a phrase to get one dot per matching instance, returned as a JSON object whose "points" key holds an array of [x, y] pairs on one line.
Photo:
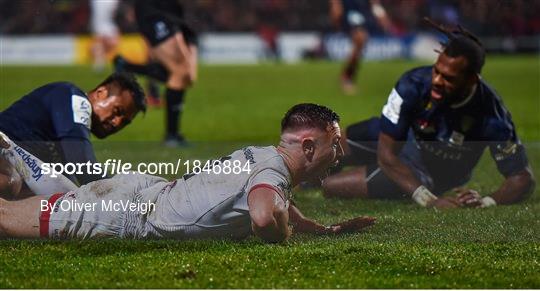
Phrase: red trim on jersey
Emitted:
{"points": [[268, 186], [46, 215]]}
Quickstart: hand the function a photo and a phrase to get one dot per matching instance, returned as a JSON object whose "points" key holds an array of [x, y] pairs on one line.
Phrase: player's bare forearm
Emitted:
{"points": [[301, 224], [401, 174], [269, 215], [273, 231], [515, 188]]}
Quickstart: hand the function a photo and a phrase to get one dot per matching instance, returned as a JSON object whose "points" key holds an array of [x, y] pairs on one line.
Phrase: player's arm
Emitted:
{"points": [[302, 224], [515, 188], [512, 162], [381, 15], [396, 119], [80, 151], [269, 214], [387, 155]]}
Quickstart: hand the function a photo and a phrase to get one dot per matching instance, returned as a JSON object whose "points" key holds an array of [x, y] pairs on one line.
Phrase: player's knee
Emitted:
{"points": [[180, 78], [10, 185], [332, 186], [359, 37]]}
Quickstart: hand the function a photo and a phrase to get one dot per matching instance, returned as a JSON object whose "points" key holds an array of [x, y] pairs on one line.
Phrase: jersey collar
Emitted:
{"points": [[464, 102]]}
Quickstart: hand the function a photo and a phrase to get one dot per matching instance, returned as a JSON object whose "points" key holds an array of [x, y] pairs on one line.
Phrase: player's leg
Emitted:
{"points": [[346, 184], [362, 182], [104, 30], [360, 143], [20, 219], [180, 60], [359, 37]]}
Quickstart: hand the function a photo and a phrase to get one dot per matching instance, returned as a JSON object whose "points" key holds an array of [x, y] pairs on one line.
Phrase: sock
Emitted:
{"points": [[175, 102], [152, 89], [351, 68], [154, 70]]}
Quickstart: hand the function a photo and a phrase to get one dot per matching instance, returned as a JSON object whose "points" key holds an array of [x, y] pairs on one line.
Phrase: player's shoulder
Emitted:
{"points": [[418, 75], [498, 119], [491, 102], [69, 104], [414, 84], [260, 154], [59, 90]]}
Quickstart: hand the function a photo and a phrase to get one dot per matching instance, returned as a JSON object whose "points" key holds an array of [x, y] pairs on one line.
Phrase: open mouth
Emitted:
{"points": [[436, 94]]}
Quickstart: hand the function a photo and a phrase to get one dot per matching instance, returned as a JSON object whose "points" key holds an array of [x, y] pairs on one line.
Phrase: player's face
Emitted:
{"points": [[111, 112], [450, 80], [328, 151]]}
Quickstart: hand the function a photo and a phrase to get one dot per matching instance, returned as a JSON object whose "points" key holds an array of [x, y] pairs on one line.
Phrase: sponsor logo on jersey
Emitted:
{"points": [[161, 30], [505, 150], [30, 162], [285, 189], [82, 110], [248, 154], [457, 138]]}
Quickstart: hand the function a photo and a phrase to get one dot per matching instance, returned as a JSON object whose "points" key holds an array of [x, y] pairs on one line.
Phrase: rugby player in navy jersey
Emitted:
{"points": [[52, 124], [173, 47], [357, 18], [436, 124]]}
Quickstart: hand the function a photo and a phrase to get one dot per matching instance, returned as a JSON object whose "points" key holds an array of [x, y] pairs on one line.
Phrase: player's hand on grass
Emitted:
{"points": [[444, 203], [351, 226], [468, 197]]}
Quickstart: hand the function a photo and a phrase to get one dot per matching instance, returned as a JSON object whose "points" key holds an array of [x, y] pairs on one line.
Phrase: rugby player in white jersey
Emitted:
{"points": [[203, 205]]}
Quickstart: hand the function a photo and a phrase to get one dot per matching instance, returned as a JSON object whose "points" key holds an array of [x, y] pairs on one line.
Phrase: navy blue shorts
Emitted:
{"points": [[362, 139], [158, 28]]}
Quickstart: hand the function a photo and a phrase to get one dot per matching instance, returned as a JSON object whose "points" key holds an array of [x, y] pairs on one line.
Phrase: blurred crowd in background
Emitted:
{"points": [[512, 18]]}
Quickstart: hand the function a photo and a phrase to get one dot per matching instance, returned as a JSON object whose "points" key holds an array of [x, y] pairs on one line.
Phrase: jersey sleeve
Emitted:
{"points": [[270, 179], [505, 147], [398, 111], [71, 113], [80, 152]]}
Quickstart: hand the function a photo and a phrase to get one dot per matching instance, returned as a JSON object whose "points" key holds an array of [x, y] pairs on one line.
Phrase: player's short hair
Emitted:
{"points": [[462, 42], [308, 115], [127, 81]]}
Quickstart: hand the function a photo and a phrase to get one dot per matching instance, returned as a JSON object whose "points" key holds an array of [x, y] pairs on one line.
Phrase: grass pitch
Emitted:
{"points": [[232, 106]]}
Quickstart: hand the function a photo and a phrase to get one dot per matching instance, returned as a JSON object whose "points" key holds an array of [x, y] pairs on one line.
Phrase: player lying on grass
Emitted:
{"points": [[254, 197], [433, 130], [53, 124]]}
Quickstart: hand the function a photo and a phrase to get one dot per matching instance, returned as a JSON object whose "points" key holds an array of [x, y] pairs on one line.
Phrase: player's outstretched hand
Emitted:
{"points": [[445, 203], [352, 225], [468, 197]]}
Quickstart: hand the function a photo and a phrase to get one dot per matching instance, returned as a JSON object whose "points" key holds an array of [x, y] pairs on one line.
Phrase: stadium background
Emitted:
{"points": [[234, 104]]}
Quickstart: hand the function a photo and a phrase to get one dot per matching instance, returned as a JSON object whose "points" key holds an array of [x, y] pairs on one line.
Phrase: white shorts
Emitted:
{"points": [[106, 208], [102, 18]]}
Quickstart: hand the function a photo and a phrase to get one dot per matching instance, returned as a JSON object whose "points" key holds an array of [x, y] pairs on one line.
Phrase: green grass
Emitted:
{"points": [[231, 106]]}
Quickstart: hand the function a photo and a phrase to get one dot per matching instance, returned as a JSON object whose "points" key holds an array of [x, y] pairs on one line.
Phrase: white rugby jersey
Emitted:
{"points": [[212, 203]]}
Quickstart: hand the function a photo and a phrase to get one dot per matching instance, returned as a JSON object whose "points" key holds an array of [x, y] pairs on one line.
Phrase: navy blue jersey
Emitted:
{"points": [[449, 140], [53, 123]]}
